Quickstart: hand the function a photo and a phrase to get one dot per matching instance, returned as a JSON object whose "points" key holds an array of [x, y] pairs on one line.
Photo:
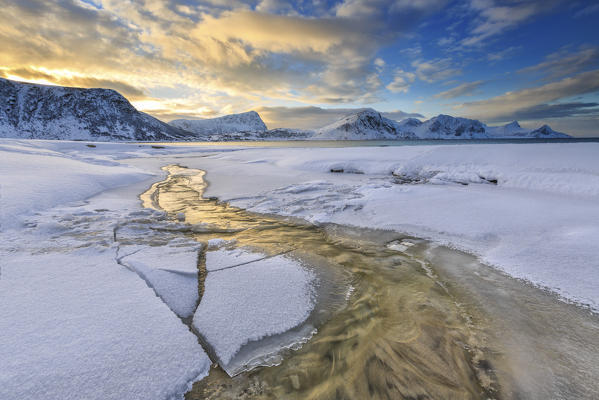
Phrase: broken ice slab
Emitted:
{"points": [[226, 258], [250, 312], [400, 245], [171, 270]]}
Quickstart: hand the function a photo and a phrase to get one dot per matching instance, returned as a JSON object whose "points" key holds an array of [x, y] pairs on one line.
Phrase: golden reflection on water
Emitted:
{"points": [[400, 336]]}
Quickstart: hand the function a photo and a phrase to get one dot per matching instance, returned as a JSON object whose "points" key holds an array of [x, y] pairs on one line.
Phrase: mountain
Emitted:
{"points": [[546, 132], [366, 124], [245, 122], [34, 111], [508, 130], [448, 127], [514, 130], [445, 127], [277, 134]]}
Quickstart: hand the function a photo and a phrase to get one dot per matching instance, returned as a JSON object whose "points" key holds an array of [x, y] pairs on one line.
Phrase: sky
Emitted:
{"points": [[303, 64]]}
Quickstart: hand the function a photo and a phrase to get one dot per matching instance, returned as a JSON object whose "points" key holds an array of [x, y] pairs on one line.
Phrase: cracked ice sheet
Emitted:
{"points": [[171, 270], [74, 324], [226, 258], [77, 325], [540, 222], [247, 303]]}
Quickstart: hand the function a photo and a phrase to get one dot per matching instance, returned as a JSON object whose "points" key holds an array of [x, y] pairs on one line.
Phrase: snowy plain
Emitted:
{"points": [[76, 312]]}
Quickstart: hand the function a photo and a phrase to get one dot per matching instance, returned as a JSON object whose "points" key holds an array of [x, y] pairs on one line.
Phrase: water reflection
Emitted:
{"points": [[400, 335]]}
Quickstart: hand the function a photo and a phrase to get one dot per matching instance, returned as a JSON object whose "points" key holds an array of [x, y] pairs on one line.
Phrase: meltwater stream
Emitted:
{"points": [[408, 328]]}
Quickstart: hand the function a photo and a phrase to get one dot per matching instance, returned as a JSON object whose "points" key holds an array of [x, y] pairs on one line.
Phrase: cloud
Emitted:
{"points": [[464, 89], [276, 6], [311, 117], [435, 70], [504, 107], [564, 63], [503, 54], [445, 41], [493, 17], [222, 49], [394, 10], [33, 75], [401, 81], [398, 115], [561, 110], [581, 126], [588, 10]]}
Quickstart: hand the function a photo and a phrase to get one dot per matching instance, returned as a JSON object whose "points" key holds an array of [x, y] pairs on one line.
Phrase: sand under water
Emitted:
{"points": [[416, 321]]}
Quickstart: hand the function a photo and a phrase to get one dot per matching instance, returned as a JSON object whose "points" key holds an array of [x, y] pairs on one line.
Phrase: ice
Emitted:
{"points": [[227, 258], [400, 246], [34, 182], [513, 205], [77, 325], [247, 303], [217, 243], [172, 271]]}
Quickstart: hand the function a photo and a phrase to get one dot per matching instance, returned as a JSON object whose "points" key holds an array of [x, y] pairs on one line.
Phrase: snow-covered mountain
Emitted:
{"points": [[546, 132], [448, 127], [445, 127], [366, 124], [34, 111], [278, 134], [513, 129], [203, 128]]}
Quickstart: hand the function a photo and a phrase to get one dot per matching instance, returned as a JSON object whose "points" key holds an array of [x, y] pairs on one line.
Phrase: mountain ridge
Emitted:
{"points": [[369, 124], [249, 121], [33, 111], [365, 124]]}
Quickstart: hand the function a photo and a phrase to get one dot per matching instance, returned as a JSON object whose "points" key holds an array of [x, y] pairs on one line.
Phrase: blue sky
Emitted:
{"points": [[304, 63]]}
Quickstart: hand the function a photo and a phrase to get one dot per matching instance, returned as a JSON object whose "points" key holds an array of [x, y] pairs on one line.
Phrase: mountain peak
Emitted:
{"points": [[545, 131], [249, 121], [36, 111], [363, 124]]}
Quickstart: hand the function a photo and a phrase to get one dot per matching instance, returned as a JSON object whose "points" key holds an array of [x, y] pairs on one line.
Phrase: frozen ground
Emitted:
{"points": [[530, 210], [248, 297], [85, 317], [75, 323]]}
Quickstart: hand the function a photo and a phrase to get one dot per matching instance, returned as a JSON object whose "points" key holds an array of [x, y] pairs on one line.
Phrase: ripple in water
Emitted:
{"points": [[400, 334]]}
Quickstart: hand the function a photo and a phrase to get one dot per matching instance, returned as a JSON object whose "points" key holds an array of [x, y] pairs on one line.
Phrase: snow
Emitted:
{"points": [[365, 124], [227, 258], [172, 271], [30, 181], [248, 302], [368, 124], [538, 222], [54, 112], [92, 297], [75, 323], [57, 112], [248, 121]]}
